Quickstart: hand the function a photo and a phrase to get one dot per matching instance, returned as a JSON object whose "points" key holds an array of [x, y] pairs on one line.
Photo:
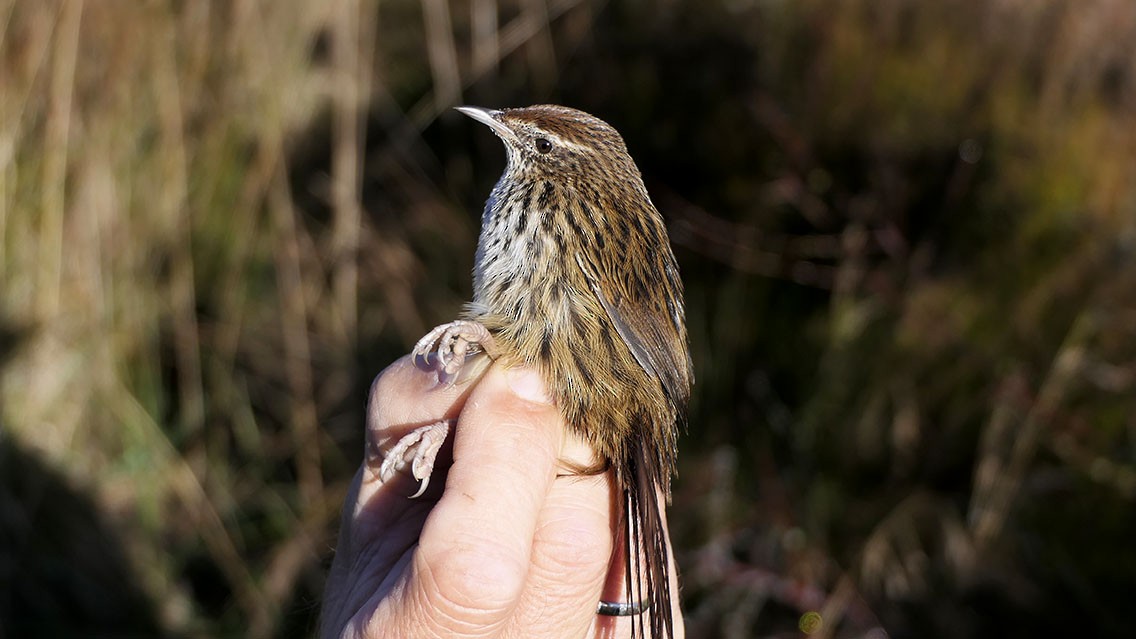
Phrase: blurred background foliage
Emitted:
{"points": [[907, 231]]}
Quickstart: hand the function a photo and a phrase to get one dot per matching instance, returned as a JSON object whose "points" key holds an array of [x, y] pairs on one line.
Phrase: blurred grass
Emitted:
{"points": [[906, 228]]}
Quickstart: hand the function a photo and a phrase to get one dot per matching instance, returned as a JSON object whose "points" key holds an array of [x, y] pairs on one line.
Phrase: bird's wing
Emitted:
{"points": [[655, 336]]}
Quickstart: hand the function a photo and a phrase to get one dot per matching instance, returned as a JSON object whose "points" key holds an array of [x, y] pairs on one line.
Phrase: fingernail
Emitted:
{"points": [[527, 384]]}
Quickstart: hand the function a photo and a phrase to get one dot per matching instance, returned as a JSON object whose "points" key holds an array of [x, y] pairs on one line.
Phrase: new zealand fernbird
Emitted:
{"points": [[574, 275]]}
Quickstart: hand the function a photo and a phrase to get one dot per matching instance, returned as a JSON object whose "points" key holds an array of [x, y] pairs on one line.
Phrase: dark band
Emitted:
{"points": [[622, 609]]}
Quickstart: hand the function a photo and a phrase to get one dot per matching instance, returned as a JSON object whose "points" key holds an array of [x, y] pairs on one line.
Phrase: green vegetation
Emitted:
{"points": [[907, 229]]}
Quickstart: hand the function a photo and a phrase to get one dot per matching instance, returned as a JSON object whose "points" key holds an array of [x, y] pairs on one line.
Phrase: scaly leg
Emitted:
{"points": [[453, 342], [418, 448]]}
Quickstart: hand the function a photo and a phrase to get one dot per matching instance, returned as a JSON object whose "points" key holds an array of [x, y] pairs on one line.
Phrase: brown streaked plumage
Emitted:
{"points": [[574, 275]]}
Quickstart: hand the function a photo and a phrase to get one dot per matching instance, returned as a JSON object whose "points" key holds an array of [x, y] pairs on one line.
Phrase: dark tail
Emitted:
{"points": [[647, 559]]}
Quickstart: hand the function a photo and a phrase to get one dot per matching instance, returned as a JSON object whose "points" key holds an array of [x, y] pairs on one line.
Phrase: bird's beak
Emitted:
{"points": [[489, 118]]}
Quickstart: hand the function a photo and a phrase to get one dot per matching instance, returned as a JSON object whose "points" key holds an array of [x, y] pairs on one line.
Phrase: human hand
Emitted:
{"points": [[507, 549]]}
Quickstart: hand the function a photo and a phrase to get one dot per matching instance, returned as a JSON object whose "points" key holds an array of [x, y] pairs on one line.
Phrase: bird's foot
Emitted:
{"points": [[453, 342], [417, 449]]}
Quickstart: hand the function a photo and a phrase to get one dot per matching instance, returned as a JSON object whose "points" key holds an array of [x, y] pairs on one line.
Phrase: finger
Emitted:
{"points": [[571, 551], [474, 553], [380, 525], [404, 397]]}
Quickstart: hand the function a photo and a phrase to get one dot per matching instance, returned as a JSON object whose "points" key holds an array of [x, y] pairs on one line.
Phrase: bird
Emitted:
{"points": [[574, 275]]}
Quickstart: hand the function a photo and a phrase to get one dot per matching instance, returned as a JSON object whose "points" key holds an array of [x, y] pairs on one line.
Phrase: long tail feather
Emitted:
{"points": [[647, 560]]}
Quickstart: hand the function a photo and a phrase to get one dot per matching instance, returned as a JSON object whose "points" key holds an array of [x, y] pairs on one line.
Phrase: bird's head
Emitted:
{"points": [[550, 141]]}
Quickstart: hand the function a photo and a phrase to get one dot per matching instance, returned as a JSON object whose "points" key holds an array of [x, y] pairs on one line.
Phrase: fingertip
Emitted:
{"points": [[400, 377], [527, 384], [403, 397]]}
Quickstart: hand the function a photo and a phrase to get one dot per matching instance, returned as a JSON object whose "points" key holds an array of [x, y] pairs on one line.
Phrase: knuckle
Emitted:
{"points": [[475, 581], [577, 544]]}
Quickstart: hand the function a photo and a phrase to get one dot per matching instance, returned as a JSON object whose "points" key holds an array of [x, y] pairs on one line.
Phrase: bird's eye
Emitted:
{"points": [[543, 145]]}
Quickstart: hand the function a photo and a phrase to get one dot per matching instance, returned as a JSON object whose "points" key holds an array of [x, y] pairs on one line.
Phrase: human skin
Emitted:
{"points": [[502, 544]]}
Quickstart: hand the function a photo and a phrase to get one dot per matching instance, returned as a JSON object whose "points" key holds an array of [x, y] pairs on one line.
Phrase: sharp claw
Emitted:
{"points": [[447, 348], [423, 463], [418, 450], [421, 488], [386, 471]]}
